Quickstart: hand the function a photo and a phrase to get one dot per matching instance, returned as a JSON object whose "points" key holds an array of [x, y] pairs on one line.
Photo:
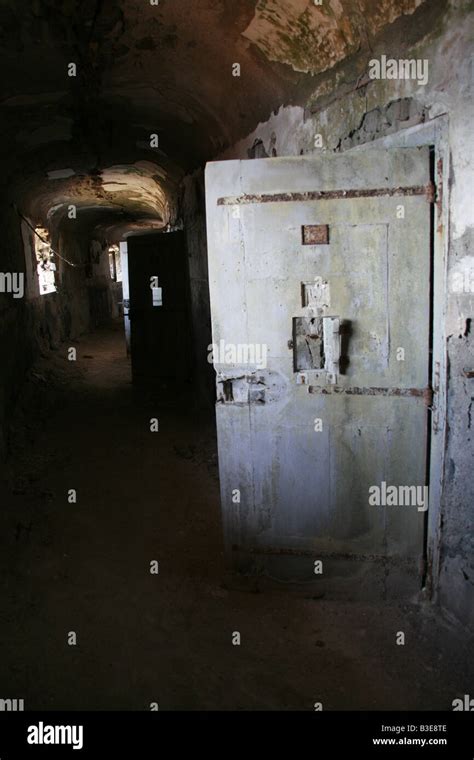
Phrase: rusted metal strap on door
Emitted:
{"points": [[334, 390], [330, 195]]}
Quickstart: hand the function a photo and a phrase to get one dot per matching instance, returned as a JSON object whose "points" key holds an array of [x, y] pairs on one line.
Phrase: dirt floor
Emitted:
{"points": [[85, 567]]}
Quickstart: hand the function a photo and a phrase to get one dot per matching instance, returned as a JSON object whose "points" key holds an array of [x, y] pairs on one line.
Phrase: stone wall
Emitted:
{"points": [[35, 323]]}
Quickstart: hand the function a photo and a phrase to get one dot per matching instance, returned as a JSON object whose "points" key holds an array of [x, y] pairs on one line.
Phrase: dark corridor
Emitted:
{"points": [[270, 200]]}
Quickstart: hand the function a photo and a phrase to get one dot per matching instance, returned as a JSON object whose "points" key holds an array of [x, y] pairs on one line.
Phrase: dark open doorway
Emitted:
{"points": [[159, 313]]}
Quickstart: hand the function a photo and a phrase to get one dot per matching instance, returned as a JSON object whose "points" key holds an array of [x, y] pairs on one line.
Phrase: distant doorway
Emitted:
{"points": [[159, 314]]}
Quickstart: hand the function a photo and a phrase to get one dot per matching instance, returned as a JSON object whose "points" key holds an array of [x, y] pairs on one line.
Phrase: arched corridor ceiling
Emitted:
{"points": [[162, 69]]}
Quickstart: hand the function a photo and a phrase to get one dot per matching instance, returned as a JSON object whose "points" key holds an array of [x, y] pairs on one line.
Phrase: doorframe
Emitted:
{"points": [[433, 134]]}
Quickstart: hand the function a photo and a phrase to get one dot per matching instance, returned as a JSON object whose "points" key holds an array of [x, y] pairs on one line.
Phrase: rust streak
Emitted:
{"points": [[439, 199], [354, 391], [328, 195]]}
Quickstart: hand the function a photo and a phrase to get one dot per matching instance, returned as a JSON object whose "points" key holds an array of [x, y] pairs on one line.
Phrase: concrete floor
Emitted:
{"points": [[143, 638]]}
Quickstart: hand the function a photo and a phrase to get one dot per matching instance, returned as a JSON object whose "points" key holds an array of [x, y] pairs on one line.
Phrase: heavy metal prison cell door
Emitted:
{"points": [[320, 299]]}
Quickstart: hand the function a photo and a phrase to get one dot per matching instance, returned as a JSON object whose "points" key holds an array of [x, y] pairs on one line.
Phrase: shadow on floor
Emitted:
{"points": [[83, 567]]}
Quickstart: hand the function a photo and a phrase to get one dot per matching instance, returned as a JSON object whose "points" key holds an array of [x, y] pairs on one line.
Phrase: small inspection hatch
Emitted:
{"points": [[315, 234]]}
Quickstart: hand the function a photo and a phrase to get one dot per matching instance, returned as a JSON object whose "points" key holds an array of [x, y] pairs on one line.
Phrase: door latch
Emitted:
{"points": [[332, 347]]}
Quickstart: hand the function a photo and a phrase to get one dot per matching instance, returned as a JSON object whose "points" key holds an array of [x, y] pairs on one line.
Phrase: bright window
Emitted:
{"points": [[115, 263], [46, 267]]}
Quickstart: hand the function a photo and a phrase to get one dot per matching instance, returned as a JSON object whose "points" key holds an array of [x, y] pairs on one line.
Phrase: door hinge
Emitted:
{"points": [[431, 192], [428, 397]]}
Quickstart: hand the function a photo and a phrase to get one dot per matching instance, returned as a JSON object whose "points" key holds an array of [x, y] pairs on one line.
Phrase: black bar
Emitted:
{"points": [[240, 734]]}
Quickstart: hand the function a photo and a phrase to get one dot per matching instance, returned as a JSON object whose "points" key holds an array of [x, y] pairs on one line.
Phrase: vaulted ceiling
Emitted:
{"points": [[166, 69]]}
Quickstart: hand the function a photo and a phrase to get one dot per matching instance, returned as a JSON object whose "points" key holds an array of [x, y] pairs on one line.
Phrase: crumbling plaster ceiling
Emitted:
{"points": [[145, 69]]}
